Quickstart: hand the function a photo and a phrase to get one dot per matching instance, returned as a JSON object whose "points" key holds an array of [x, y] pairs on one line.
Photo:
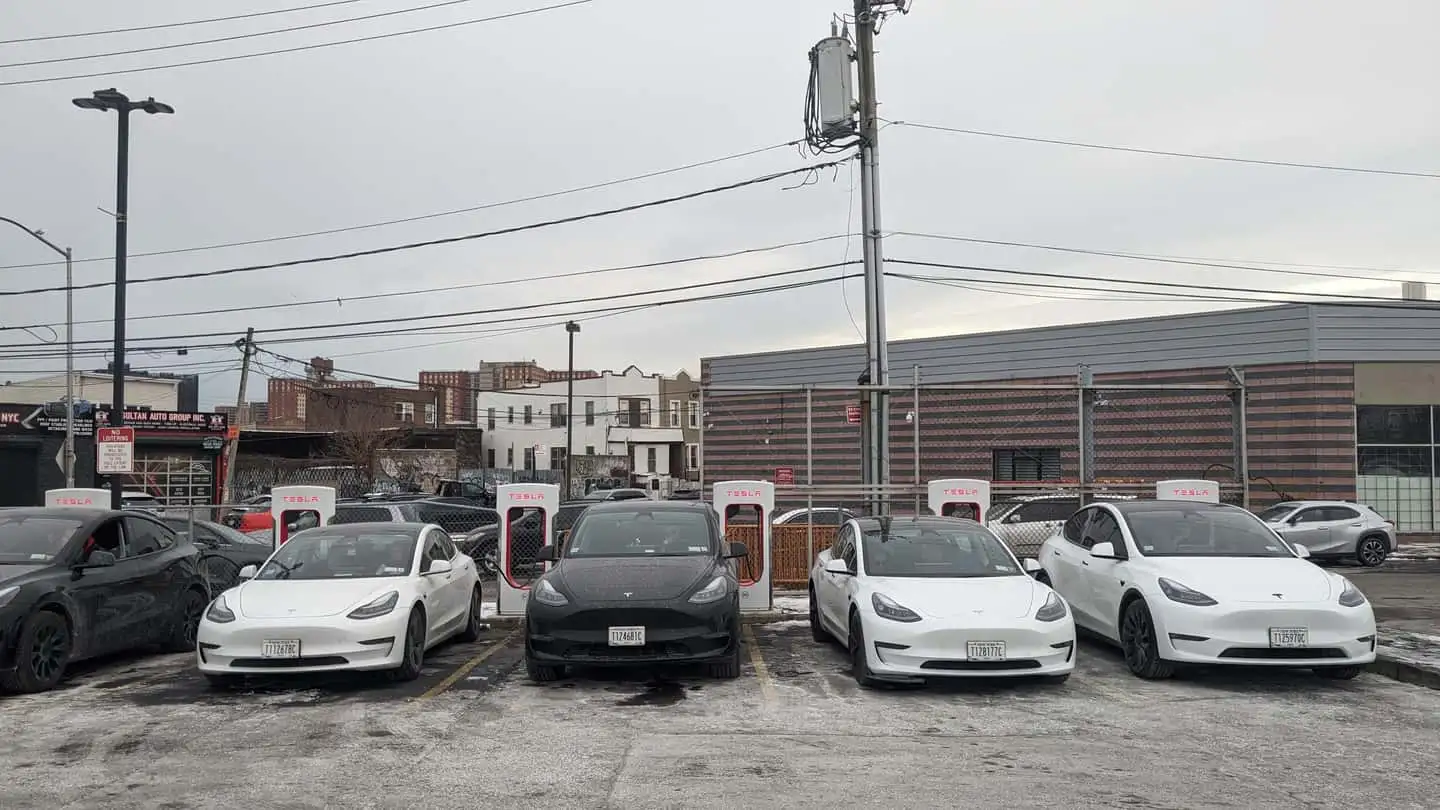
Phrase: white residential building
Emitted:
{"points": [[615, 414], [155, 393]]}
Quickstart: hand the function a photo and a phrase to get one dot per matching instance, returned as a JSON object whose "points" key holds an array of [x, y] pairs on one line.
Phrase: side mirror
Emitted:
{"points": [[1302, 552], [1031, 566], [99, 558], [248, 572], [290, 527], [547, 554], [837, 567], [1014, 517], [439, 567], [735, 551], [1104, 551]]}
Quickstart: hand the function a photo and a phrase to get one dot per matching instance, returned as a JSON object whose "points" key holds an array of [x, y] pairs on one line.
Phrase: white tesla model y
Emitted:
{"points": [[358, 596], [930, 597], [1180, 582]]}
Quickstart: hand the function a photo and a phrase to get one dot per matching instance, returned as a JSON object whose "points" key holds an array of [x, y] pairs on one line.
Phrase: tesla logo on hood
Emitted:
{"points": [[629, 594], [1278, 595]]}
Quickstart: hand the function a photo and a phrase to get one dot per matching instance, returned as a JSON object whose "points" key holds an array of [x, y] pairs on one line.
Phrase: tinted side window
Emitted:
{"points": [[146, 537], [1341, 513], [1104, 528], [360, 514], [447, 546], [1075, 526], [1314, 515], [1053, 510]]}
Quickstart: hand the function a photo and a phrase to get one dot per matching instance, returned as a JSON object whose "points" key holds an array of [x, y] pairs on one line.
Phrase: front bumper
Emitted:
{"points": [[935, 648], [675, 633], [235, 648], [1240, 634]]}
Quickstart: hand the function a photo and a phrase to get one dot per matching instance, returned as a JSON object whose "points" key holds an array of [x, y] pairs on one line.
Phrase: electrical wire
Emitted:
{"points": [[339, 300], [1165, 153], [299, 48], [160, 26], [235, 37], [806, 170]]}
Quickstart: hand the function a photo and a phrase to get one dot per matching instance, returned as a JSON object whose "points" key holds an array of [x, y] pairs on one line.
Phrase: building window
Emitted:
{"points": [[529, 458], [634, 412], [404, 412], [510, 416], [490, 418], [650, 460], [1392, 424], [490, 458], [674, 413], [529, 414], [589, 413], [589, 449], [694, 415], [557, 458], [692, 456], [1395, 458], [430, 414], [510, 457], [300, 406], [557, 414], [1026, 464]]}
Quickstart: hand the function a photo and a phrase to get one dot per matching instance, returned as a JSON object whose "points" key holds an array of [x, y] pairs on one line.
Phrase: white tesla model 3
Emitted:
{"points": [[1179, 582], [929, 597], [358, 596]]}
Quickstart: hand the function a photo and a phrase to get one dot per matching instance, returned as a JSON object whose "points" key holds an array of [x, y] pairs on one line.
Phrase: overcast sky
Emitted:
{"points": [[408, 126]]}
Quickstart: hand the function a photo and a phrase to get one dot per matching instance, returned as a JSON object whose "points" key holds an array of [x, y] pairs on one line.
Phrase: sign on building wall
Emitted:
{"points": [[784, 476], [170, 421]]}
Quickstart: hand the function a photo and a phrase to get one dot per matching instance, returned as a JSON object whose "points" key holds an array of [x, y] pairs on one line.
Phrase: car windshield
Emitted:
{"points": [[641, 533], [34, 539], [1204, 532], [937, 550], [342, 555], [1277, 511]]}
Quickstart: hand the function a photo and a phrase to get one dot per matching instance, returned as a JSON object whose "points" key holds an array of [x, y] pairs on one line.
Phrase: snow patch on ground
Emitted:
{"points": [[785, 625], [1418, 551], [792, 604], [1420, 649]]}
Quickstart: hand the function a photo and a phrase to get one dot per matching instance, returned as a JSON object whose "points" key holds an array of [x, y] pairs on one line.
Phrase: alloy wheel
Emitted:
{"points": [[415, 641], [1138, 635], [194, 609], [1372, 551], [47, 655]]}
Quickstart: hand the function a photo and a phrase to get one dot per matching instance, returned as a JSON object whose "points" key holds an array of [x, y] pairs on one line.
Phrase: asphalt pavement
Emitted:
{"points": [[794, 732]]}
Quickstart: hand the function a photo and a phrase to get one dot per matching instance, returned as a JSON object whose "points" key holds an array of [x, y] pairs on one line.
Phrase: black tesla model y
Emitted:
{"points": [[636, 582]]}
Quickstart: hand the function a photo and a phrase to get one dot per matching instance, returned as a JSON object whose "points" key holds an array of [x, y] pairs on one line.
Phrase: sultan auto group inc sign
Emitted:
{"points": [[170, 421]]}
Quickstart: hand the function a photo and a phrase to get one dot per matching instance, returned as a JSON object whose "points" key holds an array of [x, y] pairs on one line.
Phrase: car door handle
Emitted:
{"points": [[1356, 525], [1084, 562], [1055, 551]]}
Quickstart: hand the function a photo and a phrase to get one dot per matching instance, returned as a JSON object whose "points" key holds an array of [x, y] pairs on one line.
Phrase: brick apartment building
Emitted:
{"points": [[345, 408]]}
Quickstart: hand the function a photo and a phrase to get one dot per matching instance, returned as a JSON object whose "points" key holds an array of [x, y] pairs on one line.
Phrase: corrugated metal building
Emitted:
{"points": [[1309, 369]]}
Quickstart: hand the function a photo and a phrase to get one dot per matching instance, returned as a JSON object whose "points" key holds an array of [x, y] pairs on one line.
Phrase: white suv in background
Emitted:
{"points": [[1029, 520], [1334, 529]]}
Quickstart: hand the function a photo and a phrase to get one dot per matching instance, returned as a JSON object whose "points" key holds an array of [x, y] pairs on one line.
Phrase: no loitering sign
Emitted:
{"points": [[114, 450]]}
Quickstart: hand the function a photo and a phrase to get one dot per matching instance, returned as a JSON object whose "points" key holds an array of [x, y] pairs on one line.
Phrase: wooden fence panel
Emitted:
{"points": [[790, 565]]}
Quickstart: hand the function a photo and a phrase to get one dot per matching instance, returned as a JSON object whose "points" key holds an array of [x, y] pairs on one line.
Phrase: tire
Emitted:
{"points": [[475, 624], [41, 654], [487, 560], [1349, 673], [817, 630], [1044, 579], [1371, 551], [192, 607], [413, 660], [542, 673], [1137, 640], [727, 668], [859, 662]]}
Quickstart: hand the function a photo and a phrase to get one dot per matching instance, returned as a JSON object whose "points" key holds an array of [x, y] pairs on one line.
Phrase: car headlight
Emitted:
{"points": [[220, 612], [887, 608], [716, 590], [7, 594], [379, 606], [1350, 597], [546, 594], [1053, 610], [1185, 596]]}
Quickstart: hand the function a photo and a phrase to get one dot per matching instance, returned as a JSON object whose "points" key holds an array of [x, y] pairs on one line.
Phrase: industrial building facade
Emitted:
{"points": [[1319, 401]]}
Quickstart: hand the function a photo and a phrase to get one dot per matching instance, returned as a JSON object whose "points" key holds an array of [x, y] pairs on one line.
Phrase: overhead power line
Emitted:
{"points": [[299, 48], [341, 300], [161, 26], [420, 217], [446, 240], [1165, 153]]}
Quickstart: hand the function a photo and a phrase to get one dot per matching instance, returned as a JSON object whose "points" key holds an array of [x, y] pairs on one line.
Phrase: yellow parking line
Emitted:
{"points": [[767, 686], [465, 668]]}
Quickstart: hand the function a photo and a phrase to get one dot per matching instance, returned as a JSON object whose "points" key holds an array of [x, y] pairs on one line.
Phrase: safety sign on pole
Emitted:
{"points": [[114, 450]]}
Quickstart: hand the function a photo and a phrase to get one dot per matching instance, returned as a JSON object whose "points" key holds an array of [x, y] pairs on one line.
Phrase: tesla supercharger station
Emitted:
{"points": [[960, 497], [89, 498], [513, 501], [1188, 489], [302, 507], [731, 499]]}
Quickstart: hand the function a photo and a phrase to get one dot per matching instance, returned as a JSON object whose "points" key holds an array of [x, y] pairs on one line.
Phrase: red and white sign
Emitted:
{"points": [[784, 476], [852, 414], [114, 450]]}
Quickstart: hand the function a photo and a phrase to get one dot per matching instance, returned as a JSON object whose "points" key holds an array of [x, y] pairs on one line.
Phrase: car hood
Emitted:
{"points": [[13, 571], [1010, 597], [609, 579], [1251, 579], [307, 598]]}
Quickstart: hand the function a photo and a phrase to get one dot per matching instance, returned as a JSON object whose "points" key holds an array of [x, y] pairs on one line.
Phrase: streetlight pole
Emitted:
{"points": [[571, 328], [69, 347], [104, 101]]}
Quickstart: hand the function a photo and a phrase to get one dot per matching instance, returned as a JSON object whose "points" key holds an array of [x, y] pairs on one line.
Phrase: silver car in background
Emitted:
{"points": [[1334, 529]]}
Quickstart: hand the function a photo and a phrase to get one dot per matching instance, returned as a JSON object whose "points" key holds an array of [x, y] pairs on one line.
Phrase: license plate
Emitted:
{"points": [[1289, 637], [985, 650], [627, 637], [288, 648]]}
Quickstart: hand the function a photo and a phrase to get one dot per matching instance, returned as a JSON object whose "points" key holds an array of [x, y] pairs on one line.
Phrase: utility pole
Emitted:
{"points": [[248, 347], [571, 328]]}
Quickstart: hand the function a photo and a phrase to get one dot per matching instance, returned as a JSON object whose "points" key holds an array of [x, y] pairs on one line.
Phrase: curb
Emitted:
{"points": [[1405, 672]]}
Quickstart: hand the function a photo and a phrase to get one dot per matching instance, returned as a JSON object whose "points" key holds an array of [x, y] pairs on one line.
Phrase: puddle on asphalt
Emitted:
{"points": [[657, 693]]}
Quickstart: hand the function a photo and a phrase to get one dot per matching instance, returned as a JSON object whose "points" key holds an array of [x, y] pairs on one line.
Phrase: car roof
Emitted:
{"points": [[389, 527], [81, 513], [1140, 507], [875, 524], [648, 505]]}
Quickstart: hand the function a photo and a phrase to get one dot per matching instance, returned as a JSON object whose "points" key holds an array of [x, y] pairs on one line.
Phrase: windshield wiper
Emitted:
{"points": [[286, 570]]}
